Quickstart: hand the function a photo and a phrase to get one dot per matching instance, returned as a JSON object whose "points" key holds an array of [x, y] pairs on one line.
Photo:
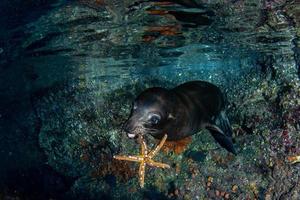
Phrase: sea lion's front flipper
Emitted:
{"points": [[221, 130]]}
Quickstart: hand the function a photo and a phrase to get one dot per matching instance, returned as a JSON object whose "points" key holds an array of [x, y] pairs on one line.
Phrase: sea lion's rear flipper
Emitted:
{"points": [[221, 130]]}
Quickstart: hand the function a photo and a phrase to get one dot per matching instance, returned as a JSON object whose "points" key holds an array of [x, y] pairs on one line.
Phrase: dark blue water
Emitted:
{"points": [[69, 71]]}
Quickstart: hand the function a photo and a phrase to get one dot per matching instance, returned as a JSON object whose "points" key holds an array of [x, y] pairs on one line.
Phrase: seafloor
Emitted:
{"points": [[80, 134], [61, 121]]}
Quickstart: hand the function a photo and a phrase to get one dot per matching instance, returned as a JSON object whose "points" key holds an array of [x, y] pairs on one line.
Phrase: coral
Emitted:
{"points": [[93, 3], [221, 159], [103, 162], [177, 146], [122, 171]]}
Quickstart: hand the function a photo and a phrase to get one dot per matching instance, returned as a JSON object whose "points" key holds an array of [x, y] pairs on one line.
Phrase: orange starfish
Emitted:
{"points": [[293, 159], [145, 158]]}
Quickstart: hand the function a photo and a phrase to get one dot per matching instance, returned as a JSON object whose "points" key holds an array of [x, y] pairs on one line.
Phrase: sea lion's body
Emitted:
{"points": [[198, 102], [181, 112]]}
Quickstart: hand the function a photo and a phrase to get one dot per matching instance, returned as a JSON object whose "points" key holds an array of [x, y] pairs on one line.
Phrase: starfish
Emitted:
{"points": [[294, 159], [145, 158]]}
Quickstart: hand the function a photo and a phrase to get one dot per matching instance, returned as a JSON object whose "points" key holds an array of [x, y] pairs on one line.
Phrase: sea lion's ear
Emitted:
{"points": [[170, 116]]}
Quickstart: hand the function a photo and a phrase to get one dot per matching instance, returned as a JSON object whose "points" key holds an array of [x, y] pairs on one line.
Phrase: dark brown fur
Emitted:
{"points": [[181, 112]]}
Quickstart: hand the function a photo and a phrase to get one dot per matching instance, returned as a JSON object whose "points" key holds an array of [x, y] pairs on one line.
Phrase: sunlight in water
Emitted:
{"points": [[70, 72]]}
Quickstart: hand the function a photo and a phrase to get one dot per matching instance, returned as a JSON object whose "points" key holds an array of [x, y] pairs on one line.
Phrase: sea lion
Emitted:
{"points": [[181, 112]]}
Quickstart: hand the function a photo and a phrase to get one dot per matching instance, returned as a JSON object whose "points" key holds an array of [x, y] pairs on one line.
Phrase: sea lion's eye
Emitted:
{"points": [[154, 119]]}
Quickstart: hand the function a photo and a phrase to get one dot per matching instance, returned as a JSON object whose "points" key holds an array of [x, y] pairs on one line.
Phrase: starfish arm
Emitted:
{"points": [[142, 173], [293, 159], [158, 147], [144, 150], [158, 164], [129, 158]]}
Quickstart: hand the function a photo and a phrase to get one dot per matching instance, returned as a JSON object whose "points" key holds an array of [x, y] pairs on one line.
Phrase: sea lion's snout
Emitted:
{"points": [[127, 128], [131, 129]]}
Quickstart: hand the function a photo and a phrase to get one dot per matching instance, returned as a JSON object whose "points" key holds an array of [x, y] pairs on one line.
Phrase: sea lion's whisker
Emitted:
{"points": [[151, 129]]}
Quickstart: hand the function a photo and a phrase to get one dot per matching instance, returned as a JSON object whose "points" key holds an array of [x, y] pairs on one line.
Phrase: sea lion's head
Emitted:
{"points": [[151, 113]]}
